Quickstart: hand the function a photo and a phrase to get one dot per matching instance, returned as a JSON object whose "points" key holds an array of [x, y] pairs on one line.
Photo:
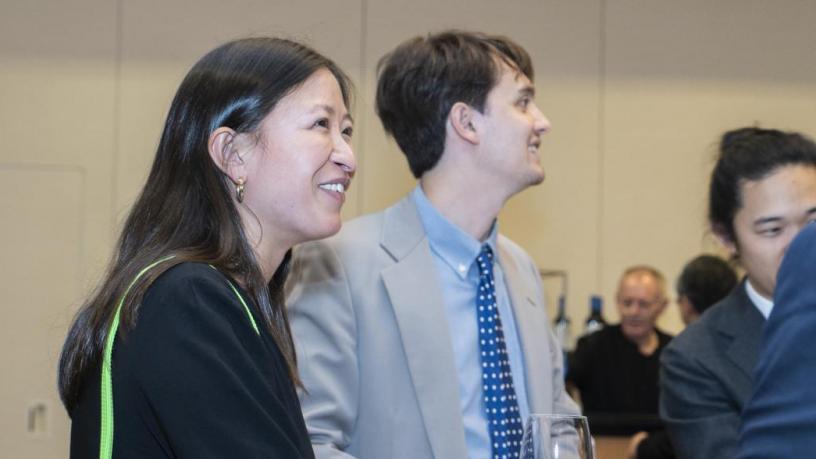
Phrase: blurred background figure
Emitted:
{"points": [[704, 281], [763, 191], [615, 369]]}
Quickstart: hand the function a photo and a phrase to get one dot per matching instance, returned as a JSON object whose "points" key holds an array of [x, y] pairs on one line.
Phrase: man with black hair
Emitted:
{"points": [[762, 192], [704, 281]]}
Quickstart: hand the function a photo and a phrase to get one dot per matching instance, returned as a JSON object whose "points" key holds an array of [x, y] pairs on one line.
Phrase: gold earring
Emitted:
{"points": [[239, 190]]}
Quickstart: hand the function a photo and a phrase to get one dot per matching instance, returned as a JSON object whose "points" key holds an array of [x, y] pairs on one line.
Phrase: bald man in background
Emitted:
{"points": [[616, 369]]}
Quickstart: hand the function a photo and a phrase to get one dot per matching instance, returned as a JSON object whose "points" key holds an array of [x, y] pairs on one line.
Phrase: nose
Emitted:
{"points": [[542, 124], [343, 156]]}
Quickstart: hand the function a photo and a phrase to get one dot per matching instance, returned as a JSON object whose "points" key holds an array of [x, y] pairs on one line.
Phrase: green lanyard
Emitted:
{"points": [[106, 418]]}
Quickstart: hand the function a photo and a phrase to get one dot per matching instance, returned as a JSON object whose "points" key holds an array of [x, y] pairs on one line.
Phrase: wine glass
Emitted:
{"points": [[556, 436]]}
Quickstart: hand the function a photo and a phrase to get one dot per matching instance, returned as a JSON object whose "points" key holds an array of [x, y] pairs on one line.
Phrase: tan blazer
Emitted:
{"points": [[374, 346]]}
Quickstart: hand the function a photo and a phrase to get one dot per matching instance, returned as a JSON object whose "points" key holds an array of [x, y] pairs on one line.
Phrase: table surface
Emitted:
{"points": [[609, 447]]}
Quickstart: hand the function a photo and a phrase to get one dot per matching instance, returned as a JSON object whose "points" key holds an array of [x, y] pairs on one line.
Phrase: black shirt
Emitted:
{"points": [[616, 381], [194, 379]]}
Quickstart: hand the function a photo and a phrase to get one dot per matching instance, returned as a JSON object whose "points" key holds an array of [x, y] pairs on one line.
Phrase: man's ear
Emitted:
{"points": [[726, 241], [461, 120], [225, 153]]}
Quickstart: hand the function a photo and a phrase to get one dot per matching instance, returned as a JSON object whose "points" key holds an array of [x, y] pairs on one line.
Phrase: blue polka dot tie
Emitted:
{"points": [[501, 406]]}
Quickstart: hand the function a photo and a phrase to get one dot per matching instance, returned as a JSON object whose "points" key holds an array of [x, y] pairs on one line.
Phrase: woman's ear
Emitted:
{"points": [[224, 151], [461, 119]]}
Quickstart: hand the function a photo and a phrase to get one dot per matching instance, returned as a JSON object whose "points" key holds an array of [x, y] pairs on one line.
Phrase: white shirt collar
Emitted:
{"points": [[763, 304]]}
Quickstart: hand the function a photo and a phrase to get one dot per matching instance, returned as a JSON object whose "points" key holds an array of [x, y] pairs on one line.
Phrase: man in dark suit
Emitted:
{"points": [[763, 192], [706, 376], [779, 420]]}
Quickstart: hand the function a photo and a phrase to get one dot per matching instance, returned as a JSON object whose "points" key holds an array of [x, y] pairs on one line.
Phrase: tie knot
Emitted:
{"points": [[485, 260]]}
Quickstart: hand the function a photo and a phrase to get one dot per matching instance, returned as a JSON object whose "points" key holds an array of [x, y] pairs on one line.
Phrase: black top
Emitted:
{"points": [[194, 379], [656, 446], [618, 384]]}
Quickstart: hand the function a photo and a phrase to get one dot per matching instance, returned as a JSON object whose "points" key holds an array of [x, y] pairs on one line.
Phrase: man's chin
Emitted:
{"points": [[535, 177], [633, 333]]}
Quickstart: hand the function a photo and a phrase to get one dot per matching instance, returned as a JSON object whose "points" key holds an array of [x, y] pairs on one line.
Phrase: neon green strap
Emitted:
{"points": [[106, 427], [106, 418], [246, 308]]}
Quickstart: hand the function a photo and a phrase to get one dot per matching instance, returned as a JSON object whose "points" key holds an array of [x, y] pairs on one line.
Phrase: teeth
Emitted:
{"points": [[338, 187]]}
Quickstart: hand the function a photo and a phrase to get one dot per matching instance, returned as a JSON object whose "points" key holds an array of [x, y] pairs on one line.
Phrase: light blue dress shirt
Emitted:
{"points": [[454, 253]]}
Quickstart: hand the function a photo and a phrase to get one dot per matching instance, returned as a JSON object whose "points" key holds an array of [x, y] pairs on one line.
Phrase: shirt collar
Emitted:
{"points": [[763, 304], [449, 242]]}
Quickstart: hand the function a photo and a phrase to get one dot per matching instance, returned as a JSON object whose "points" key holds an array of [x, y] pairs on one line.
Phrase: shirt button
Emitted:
{"points": [[462, 268]]}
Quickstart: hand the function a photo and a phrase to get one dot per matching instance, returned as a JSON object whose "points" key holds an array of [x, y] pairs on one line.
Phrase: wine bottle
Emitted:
{"points": [[595, 321], [561, 325]]}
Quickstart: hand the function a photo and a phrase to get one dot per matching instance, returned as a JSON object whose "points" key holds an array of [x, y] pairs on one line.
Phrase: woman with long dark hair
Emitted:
{"points": [[184, 350]]}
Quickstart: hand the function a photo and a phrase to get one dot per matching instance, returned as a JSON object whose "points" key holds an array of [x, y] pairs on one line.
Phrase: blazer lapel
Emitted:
{"points": [[532, 326], [419, 308], [744, 326]]}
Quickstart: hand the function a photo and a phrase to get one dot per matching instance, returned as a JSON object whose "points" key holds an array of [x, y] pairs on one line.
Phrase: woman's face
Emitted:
{"points": [[774, 209], [299, 169]]}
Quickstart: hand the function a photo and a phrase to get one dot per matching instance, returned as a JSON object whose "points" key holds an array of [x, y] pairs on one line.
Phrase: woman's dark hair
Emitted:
{"points": [[706, 280], [422, 78], [750, 154], [186, 207]]}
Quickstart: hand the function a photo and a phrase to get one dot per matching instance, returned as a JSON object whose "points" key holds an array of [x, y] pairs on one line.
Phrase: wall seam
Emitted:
{"points": [[360, 125], [601, 216], [117, 112]]}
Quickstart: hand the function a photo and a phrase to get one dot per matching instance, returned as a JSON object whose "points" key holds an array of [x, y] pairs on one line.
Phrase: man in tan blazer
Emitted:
{"points": [[391, 348]]}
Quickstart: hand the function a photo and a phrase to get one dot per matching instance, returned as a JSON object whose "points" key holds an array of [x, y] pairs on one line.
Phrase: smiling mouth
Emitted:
{"points": [[336, 187]]}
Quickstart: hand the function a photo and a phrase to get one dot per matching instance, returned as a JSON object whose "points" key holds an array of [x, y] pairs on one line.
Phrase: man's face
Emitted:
{"points": [[640, 301], [774, 209], [512, 126]]}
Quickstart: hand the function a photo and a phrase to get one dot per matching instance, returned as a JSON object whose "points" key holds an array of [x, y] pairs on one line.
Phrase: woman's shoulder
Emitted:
{"points": [[191, 291], [188, 280], [189, 273]]}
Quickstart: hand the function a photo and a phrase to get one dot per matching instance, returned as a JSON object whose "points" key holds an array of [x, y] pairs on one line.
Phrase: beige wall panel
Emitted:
{"points": [[40, 284], [557, 221], [676, 81], [56, 120], [60, 112], [158, 51], [48, 29], [740, 39], [57, 98]]}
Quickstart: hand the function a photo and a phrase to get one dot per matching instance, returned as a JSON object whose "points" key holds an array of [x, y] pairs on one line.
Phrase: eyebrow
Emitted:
{"points": [[527, 90], [766, 220], [331, 111], [775, 219]]}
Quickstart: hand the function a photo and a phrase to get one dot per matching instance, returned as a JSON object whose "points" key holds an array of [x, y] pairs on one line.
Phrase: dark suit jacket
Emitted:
{"points": [[706, 378], [780, 418]]}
